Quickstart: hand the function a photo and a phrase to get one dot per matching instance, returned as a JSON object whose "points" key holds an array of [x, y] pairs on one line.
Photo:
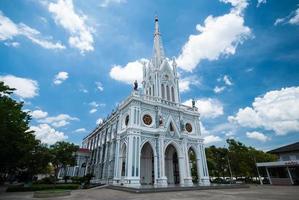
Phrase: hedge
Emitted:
{"points": [[38, 187]]}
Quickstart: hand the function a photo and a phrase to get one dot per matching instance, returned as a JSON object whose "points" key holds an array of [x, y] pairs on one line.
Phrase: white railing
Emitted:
{"points": [[157, 100]]}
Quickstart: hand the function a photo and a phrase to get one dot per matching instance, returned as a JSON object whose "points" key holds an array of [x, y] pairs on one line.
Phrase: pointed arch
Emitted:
{"points": [[148, 162], [123, 160], [173, 163]]}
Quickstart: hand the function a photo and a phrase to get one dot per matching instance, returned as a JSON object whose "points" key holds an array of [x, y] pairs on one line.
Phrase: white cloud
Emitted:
{"points": [[99, 121], [219, 36], [257, 136], [219, 89], [207, 107], [47, 134], [80, 33], [229, 134], [100, 86], [25, 88], [59, 120], [227, 80], [9, 30], [38, 114], [211, 139], [106, 3], [60, 77], [295, 18], [292, 18], [12, 44], [259, 2], [277, 110], [186, 82], [238, 5], [128, 73], [80, 130], [94, 104], [93, 110]]}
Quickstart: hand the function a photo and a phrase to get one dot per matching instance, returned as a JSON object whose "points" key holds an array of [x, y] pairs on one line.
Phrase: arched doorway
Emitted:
{"points": [[147, 170], [123, 159], [193, 165], [172, 171]]}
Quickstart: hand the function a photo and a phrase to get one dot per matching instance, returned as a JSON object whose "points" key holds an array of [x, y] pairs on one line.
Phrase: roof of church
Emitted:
{"points": [[286, 148]]}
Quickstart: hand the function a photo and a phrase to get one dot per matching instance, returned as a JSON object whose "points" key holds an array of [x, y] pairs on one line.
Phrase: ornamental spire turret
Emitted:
{"points": [[158, 47]]}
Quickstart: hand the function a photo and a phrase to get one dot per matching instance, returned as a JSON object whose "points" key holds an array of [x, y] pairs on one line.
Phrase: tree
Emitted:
{"points": [[241, 157], [16, 140], [217, 161], [62, 156]]}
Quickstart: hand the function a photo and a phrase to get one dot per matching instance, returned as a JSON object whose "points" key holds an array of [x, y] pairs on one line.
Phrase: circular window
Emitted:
{"points": [[127, 120], [188, 127], [147, 119]]}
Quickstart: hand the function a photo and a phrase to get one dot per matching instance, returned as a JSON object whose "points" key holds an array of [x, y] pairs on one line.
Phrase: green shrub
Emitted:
{"points": [[77, 179], [38, 187], [46, 180]]}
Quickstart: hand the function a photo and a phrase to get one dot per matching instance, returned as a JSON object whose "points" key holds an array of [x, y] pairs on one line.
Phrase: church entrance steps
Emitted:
{"points": [[173, 188]]}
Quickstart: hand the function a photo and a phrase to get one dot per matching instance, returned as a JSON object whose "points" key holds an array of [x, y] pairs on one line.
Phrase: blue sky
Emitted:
{"points": [[72, 61]]}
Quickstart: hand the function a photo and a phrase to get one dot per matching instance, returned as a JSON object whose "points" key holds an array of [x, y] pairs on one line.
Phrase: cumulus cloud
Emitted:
{"points": [[60, 77], [277, 110], [207, 107], [257, 136], [25, 88], [259, 2], [227, 81], [99, 121], [211, 139], [59, 120], [186, 82], [38, 114], [128, 73], [219, 36], [219, 89], [12, 44], [292, 18], [93, 110], [47, 134], [80, 130], [9, 30], [100, 86], [94, 106], [106, 3], [80, 33]]}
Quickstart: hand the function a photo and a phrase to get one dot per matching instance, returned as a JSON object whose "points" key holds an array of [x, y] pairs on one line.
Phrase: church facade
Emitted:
{"points": [[150, 138]]}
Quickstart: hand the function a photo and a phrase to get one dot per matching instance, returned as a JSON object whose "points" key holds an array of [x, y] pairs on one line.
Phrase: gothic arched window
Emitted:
{"points": [[163, 91], [172, 94], [168, 93]]}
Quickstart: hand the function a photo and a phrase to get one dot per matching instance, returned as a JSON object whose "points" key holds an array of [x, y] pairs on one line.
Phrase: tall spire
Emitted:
{"points": [[158, 47]]}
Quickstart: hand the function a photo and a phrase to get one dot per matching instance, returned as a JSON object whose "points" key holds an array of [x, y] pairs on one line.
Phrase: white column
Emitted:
{"points": [[162, 180], [117, 161], [269, 177], [290, 176], [188, 178]]}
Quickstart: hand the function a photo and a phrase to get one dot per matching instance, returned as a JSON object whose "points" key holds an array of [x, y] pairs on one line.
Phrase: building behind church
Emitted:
{"points": [[149, 138]]}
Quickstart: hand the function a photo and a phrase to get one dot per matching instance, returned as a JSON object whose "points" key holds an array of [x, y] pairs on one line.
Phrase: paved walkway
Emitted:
{"points": [[253, 193]]}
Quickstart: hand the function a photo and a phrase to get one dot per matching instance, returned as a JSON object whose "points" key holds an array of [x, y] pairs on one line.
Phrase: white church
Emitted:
{"points": [[150, 138]]}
